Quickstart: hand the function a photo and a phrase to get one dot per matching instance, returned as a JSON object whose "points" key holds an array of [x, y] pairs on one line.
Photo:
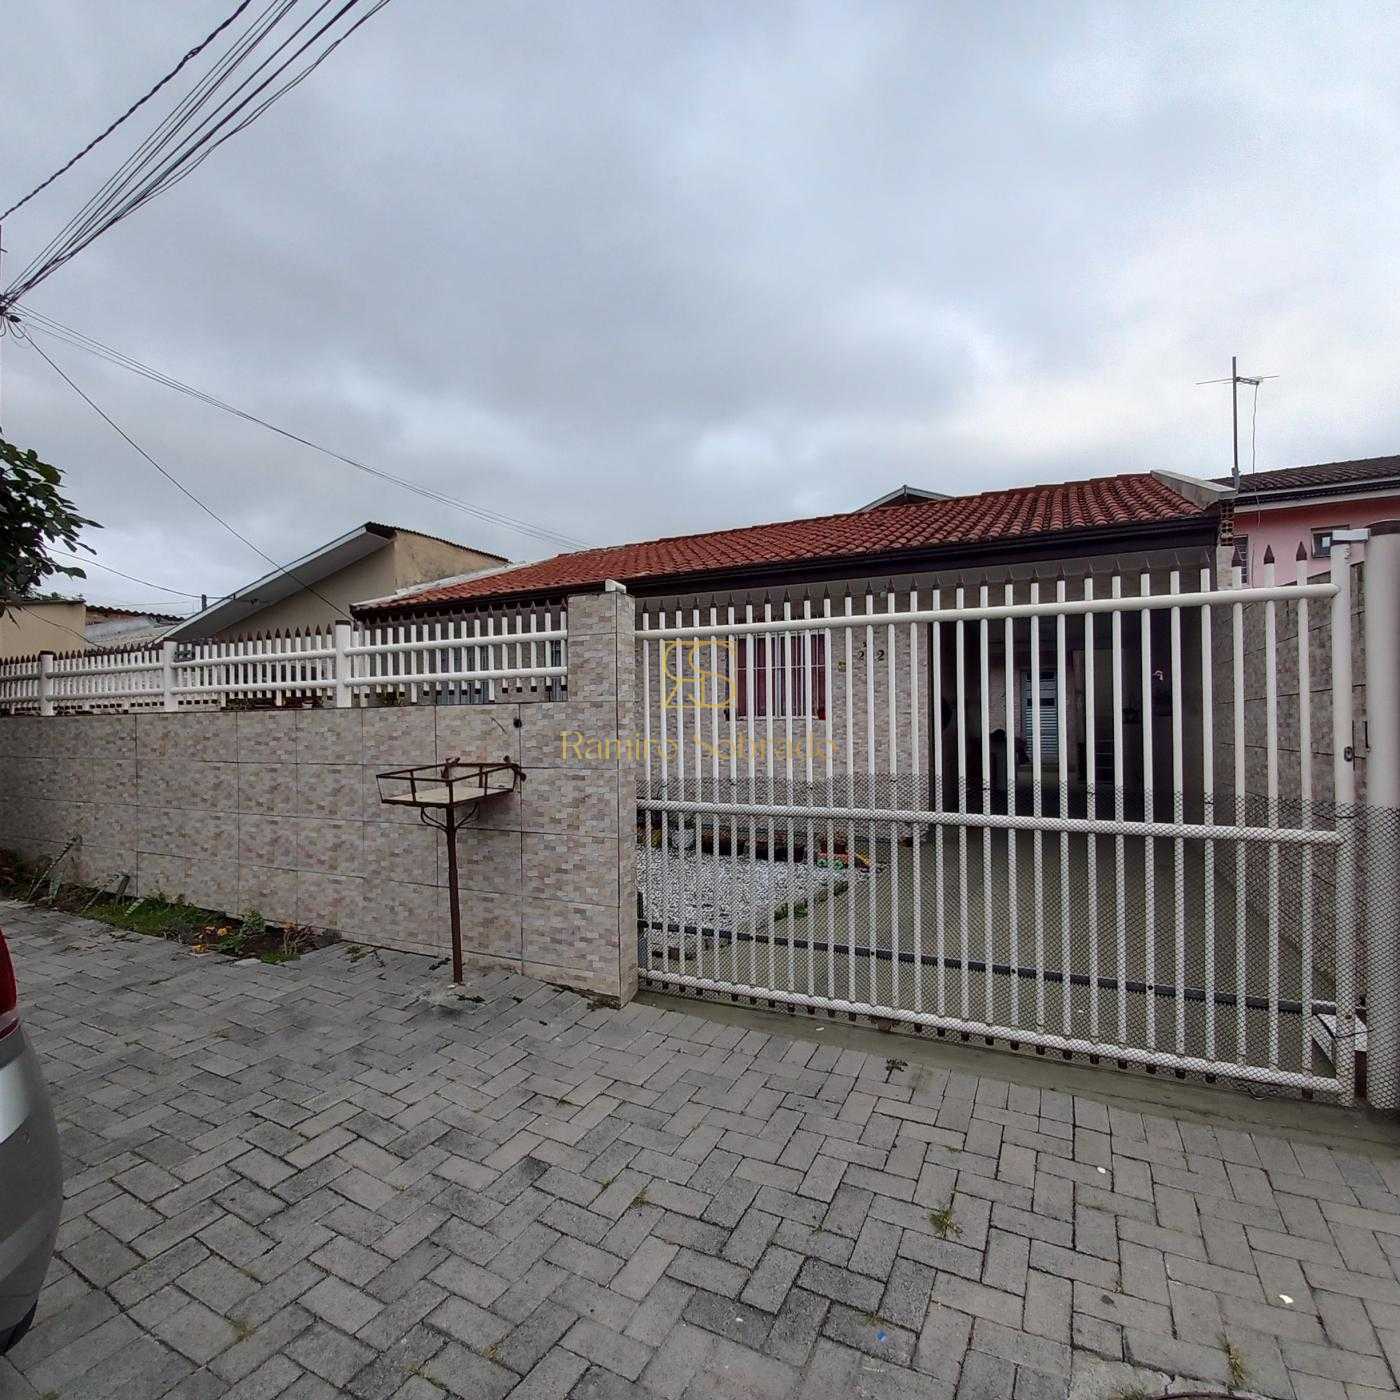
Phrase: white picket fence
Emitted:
{"points": [[479, 660]]}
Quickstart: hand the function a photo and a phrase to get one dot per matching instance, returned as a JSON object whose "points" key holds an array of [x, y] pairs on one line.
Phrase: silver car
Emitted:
{"points": [[31, 1175]]}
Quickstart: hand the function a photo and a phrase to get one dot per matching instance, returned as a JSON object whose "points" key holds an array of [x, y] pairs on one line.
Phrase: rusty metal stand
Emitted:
{"points": [[457, 790]]}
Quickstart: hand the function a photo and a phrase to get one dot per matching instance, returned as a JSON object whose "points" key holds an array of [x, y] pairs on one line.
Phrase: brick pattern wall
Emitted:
{"points": [[279, 811]]}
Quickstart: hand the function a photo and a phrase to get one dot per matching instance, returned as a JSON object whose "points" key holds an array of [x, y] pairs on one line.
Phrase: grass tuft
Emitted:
{"points": [[1235, 1363], [944, 1226]]}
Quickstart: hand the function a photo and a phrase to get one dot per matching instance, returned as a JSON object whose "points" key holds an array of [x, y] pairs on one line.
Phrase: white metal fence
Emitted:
{"points": [[859, 810], [459, 661]]}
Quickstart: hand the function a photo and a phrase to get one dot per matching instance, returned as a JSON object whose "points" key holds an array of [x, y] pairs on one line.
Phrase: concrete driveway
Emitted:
{"points": [[308, 1180]]}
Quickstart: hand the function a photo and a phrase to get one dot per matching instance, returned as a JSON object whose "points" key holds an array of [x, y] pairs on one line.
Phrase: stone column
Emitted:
{"points": [[578, 898]]}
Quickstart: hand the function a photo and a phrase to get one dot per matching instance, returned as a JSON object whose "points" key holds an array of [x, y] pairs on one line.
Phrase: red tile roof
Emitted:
{"points": [[1015, 515], [1323, 474]]}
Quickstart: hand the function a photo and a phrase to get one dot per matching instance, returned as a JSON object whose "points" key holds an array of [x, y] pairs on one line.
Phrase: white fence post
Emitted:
{"points": [[46, 659], [342, 665], [1344, 796], [1382, 634], [169, 700]]}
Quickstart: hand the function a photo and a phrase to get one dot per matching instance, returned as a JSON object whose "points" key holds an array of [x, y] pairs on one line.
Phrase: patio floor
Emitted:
{"points": [[308, 1180]]}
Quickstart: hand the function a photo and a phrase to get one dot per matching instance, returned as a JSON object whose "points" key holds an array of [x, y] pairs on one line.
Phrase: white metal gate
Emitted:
{"points": [[848, 807]]}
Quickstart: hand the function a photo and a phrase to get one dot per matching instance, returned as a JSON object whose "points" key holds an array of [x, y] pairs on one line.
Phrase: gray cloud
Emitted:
{"points": [[632, 269]]}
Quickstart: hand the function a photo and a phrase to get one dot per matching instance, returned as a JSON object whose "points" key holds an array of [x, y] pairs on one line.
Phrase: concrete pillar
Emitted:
{"points": [[46, 660], [1382, 873]]}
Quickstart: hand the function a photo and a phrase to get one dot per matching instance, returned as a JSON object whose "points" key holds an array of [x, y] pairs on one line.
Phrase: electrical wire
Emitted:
{"points": [[167, 129], [171, 152], [46, 325], [107, 568], [130, 111], [179, 485]]}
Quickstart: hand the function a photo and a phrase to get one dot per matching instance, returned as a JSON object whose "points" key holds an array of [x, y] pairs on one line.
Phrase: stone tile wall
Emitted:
{"points": [[279, 811]]}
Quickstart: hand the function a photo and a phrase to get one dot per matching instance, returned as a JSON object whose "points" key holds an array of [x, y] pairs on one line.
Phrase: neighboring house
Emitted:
{"points": [[1303, 505], [1141, 523], [904, 496], [319, 588], [73, 624], [126, 627], [31, 625]]}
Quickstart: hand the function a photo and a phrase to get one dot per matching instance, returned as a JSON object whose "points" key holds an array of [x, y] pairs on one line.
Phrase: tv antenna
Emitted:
{"points": [[1234, 381]]}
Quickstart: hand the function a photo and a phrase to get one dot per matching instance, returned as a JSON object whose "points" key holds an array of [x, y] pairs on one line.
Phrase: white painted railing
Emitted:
{"points": [[479, 660]]}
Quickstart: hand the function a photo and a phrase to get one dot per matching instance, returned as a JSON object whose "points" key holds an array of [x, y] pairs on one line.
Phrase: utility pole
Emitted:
{"points": [[1234, 381]]}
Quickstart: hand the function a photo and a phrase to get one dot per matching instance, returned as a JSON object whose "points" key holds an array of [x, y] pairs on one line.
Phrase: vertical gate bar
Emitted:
{"points": [[1305, 885], [988, 951], [1149, 862], [1037, 853], [1008, 666], [850, 674], [1344, 794], [960, 688], [788, 704], [936, 668], [1120, 888], [768, 693], [750, 646], [648, 884], [872, 916], [1178, 816], [1091, 809], [809, 935], [828, 665], [665, 824], [694, 653], [686, 904], [892, 724], [731, 662], [1241, 817], [918, 834], [1208, 806], [1271, 778], [1062, 743], [712, 699]]}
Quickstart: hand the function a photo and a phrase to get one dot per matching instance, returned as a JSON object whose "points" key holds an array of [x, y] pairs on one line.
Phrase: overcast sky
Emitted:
{"points": [[631, 270]]}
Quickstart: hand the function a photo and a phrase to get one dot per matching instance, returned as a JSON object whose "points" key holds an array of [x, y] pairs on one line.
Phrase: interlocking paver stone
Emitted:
{"points": [[306, 1181]]}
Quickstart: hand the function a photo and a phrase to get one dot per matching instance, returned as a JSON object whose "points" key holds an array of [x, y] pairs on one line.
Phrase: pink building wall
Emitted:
{"points": [[1285, 527]]}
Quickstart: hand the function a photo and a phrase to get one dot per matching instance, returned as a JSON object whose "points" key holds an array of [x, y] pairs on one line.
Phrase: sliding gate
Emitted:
{"points": [[1107, 822]]}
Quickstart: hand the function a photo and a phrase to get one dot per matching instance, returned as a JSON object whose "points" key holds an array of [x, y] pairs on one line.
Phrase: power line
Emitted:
{"points": [[130, 111], [92, 563], [179, 485], [167, 155], [79, 340]]}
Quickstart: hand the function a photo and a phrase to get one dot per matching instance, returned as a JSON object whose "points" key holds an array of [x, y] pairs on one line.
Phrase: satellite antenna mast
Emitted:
{"points": [[1234, 381]]}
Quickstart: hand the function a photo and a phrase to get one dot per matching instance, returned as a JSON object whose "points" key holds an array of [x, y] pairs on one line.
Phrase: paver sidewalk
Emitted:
{"points": [[306, 1181]]}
